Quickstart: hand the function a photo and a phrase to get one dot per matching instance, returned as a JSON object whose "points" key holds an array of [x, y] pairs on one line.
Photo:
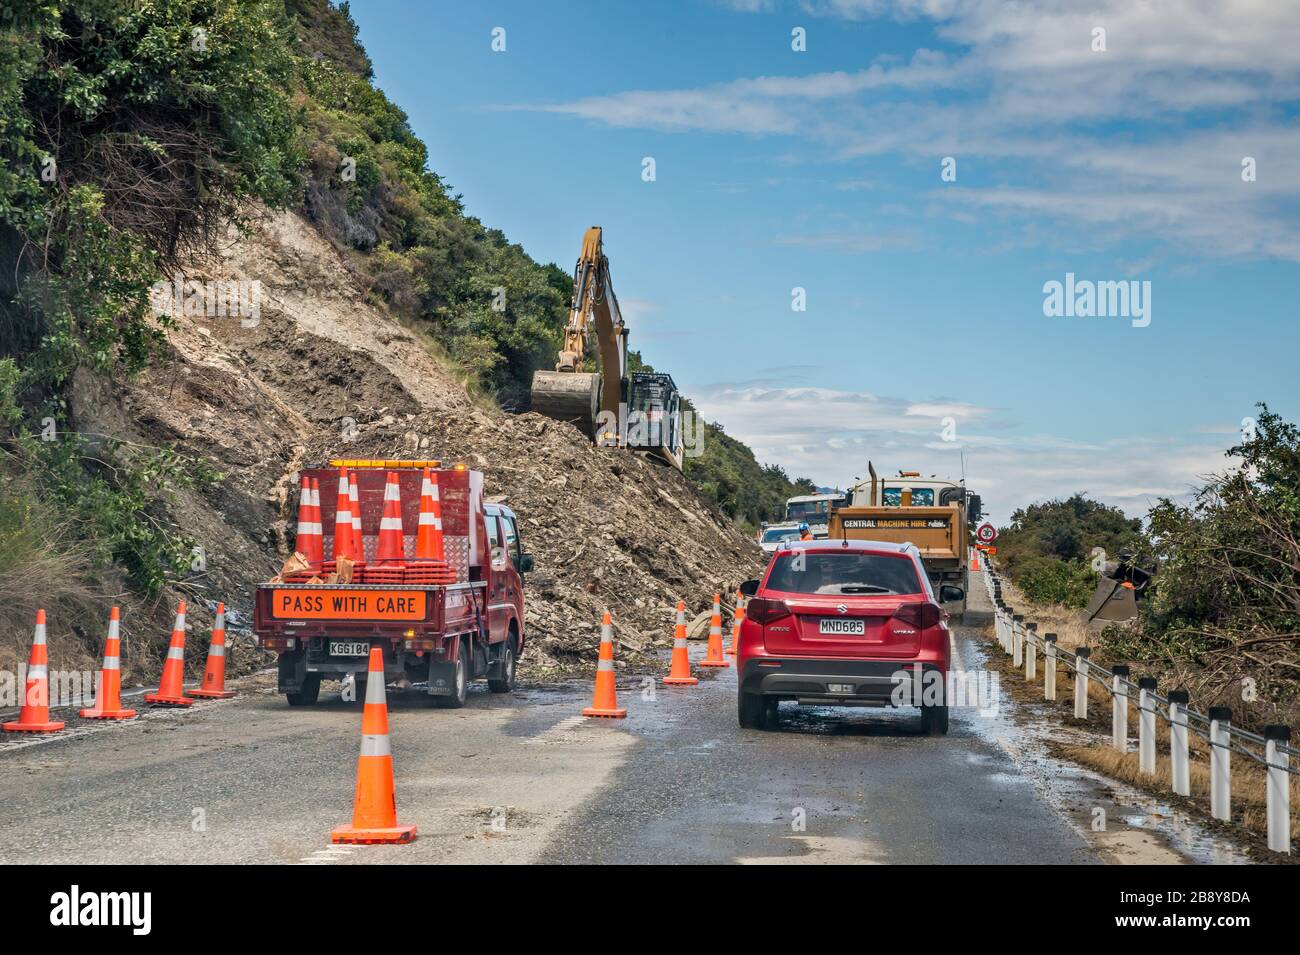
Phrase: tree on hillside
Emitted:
{"points": [[1046, 550], [1228, 591]]}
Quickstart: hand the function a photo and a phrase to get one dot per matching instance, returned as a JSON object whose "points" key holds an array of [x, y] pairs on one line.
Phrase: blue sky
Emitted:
{"points": [[821, 169]]}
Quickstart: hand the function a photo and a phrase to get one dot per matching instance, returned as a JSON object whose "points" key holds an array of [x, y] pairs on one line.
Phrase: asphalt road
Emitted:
{"points": [[524, 778]]}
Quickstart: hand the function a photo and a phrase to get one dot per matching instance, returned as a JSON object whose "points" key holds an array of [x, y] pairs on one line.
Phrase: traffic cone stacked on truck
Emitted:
{"points": [[171, 691], [307, 541], [34, 717], [374, 810], [390, 552], [680, 674], [317, 526], [604, 701], [358, 539], [213, 686], [737, 619], [430, 564], [343, 546], [714, 657], [108, 699]]}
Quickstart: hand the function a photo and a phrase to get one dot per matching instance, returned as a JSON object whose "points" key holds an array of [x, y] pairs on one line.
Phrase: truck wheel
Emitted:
{"points": [[506, 683], [460, 686], [308, 693], [751, 711]]}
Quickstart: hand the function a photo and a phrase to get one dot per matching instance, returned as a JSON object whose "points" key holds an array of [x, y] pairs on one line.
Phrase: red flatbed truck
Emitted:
{"points": [[443, 634]]}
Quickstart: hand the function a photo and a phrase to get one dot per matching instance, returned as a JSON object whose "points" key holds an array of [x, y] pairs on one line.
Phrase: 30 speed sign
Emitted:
{"points": [[986, 533]]}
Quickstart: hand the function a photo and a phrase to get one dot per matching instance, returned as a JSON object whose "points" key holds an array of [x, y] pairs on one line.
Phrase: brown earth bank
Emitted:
{"points": [[322, 373]]}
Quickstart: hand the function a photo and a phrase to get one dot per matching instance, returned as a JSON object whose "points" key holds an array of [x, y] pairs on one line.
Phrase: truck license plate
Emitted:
{"points": [[842, 626], [349, 648]]}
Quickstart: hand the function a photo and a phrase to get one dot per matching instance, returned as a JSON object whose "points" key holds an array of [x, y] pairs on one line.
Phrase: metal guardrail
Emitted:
{"points": [[1020, 640]]}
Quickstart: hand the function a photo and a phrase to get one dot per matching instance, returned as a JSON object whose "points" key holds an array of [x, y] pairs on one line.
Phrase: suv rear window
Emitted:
{"points": [[843, 573]]}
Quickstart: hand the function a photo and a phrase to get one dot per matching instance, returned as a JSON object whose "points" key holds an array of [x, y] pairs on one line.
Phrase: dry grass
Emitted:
{"points": [[1248, 782], [1248, 777], [44, 567]]}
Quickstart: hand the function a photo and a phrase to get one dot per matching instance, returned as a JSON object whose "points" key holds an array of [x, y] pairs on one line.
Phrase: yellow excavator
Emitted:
{"points": [[640, 411]]}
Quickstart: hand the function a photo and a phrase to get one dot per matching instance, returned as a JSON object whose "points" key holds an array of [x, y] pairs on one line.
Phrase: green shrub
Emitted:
{"points": [[1046, 580]]}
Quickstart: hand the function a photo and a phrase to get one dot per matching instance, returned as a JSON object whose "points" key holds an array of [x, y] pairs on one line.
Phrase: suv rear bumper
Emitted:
{"points": [[831, 681]]}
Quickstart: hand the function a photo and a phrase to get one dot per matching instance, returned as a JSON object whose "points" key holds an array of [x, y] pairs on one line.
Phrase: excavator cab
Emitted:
{"points": [[1115, 598], [655, 415]]}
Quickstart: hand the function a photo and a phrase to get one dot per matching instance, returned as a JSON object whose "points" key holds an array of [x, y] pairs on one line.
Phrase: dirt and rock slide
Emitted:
{"points": [[323, 372]]}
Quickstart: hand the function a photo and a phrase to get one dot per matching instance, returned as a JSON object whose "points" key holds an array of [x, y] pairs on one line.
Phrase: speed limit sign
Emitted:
{"points": [[986, 533]]}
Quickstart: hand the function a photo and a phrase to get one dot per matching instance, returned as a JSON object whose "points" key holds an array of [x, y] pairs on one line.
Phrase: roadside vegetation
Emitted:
{"points": [[1222, 615]]}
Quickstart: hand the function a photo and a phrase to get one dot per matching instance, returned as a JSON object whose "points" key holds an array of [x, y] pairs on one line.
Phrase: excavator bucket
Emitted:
{"points": [[1115, 598], [572, 396]]}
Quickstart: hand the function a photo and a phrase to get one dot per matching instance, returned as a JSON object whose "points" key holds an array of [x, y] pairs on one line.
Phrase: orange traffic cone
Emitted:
{"points": [[358, 542], [604, 702], [343, 546], [306, 542], [974, 559], [428, 538], [390, 549], [737, 619], [214, 674], [317, 528], [714, 657], [680, 674], [108, 699], [374, 811], [34, 717], [170, 691]]}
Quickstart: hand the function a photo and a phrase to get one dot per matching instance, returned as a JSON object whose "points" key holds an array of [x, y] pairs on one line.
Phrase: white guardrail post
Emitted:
{"points": [[1221, 763], [1081, 682], [1031, 651], [1017, 640], [1049, 666], [1278, 791], [1119, 708], [1146, 726], [1180, 767]]}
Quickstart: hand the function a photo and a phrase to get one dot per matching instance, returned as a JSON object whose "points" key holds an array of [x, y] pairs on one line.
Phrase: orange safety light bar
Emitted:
{"points": [[389, 465]]}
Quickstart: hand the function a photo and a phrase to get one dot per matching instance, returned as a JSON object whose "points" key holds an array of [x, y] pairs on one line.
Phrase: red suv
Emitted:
{"points": [[844, 623]]}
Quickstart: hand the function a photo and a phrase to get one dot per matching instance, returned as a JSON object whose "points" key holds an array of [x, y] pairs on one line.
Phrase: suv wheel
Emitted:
{"points": [[934, 720], [751, 710]]}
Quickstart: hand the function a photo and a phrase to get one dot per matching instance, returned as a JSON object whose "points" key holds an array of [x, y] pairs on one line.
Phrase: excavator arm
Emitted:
{"points": [[571, 393]]}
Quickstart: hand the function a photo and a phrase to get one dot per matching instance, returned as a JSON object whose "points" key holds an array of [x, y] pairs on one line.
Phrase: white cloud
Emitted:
{"points": [[1200, 84], [829, 436]]}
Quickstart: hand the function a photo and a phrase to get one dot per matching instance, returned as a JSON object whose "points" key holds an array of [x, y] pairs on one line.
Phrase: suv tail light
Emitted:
{"points": [[764, 611], [918, 616]]}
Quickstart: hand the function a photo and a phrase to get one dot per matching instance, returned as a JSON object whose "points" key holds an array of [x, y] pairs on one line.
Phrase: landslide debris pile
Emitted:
{"points": [[323, 373]]}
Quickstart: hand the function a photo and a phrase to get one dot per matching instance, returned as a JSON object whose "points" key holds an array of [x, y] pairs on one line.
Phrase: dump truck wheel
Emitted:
{"points": [[460, 685], [308, 694], [506, 683]]}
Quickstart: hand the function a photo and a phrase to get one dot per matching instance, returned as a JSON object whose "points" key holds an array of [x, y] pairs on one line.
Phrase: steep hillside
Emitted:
{"points": [[149, 454]]}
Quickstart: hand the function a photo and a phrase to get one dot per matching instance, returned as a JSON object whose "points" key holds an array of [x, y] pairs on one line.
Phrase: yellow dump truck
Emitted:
{"points": [[931, 513]]}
